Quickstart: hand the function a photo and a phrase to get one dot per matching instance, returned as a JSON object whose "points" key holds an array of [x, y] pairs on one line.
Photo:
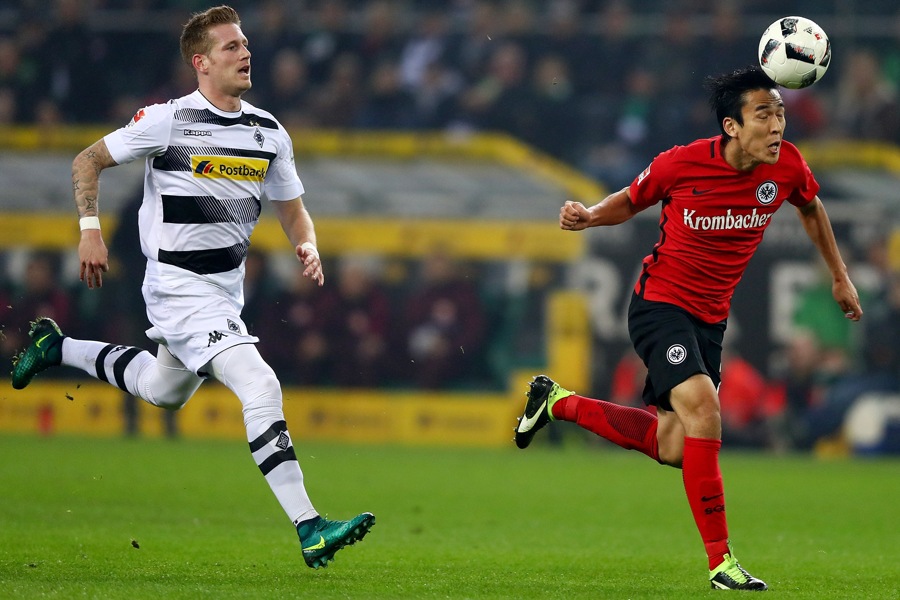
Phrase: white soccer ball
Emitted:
{"points": [[794, 52]]}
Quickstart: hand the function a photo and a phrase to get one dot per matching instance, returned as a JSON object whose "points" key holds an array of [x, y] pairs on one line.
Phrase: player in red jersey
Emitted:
{"points": [[718, 196]]}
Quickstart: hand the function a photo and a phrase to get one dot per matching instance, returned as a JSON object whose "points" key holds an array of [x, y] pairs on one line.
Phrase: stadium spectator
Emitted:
{"points": [[37, 292], [330, 38], [434, 99], [553, 113], [866, 106], [798, 388], [680, 305], [380, 41], [390, 104], [299, 346], [360, 323], [430, 43], [72, 60], [443, 324], [339, 102], [499, 101], [195, 233], [473, 44], [879, 371], [743, 399], [835, 335], [289, 93]]}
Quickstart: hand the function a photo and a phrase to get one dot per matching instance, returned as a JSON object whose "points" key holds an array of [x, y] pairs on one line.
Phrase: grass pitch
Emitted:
{"points": [[118, 518]]}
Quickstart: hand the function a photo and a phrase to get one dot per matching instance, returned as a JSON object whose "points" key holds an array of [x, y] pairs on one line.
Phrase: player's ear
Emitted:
{"points": [[199, 62], [729, 126]]}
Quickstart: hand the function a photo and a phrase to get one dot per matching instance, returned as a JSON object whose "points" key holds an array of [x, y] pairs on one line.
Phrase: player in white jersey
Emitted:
{"points": [[210, 159]]}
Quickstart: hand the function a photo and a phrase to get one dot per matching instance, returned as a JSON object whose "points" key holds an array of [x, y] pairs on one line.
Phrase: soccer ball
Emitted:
{"points": [[794, 52]]}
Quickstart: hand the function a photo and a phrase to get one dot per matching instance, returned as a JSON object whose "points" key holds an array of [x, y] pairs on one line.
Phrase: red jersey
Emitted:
{"points": [[712, 220]]}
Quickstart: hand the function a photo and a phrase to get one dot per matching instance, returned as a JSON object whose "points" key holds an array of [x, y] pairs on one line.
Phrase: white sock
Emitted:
{"points": [[118, 365], [244, 372], [160, 380]]}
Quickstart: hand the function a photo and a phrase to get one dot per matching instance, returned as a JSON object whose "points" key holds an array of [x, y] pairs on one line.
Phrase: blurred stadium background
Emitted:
{"points": [[437, 141]]}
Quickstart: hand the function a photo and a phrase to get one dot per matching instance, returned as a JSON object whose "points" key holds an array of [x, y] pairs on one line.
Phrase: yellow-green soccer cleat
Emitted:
{"points": [[327, 537], [730, 575], [542, 394], [44, 351]]}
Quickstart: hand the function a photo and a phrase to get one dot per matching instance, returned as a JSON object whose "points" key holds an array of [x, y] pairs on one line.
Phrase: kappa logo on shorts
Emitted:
{"points": [[676, 354], [215, 336], [232, 326]]}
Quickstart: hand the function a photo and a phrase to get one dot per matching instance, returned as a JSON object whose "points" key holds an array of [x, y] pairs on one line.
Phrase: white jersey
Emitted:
{"points": [[206, 172]]}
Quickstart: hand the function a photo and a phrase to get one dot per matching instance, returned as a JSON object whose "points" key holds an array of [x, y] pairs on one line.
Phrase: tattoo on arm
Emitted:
{"points": [[86, 170]]}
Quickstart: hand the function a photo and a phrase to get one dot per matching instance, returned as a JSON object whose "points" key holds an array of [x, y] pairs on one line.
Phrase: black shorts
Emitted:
{"points": [[674, 346]]}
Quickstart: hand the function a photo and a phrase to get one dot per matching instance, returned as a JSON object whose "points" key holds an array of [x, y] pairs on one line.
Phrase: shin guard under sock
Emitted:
{"points": [[626, 426], [706, 494]]}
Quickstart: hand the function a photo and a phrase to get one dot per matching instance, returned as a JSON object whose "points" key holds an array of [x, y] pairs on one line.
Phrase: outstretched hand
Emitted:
{"points": [[94, 258], [574, 216], [309, 256]]}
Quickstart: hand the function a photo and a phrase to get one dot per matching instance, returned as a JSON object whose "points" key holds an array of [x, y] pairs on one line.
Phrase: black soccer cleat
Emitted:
{"points": [[542, 394]]}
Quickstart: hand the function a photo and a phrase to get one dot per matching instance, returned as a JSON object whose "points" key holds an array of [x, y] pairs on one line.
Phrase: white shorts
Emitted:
{"points": [[194, 321]]}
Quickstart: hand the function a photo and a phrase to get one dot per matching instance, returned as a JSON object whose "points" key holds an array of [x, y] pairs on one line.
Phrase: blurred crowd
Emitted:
{"points": [[601, 84], [428, 324], [442, 323]]}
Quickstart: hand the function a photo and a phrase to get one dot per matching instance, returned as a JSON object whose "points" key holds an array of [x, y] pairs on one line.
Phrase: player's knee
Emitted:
{"points": [[171, 399]]}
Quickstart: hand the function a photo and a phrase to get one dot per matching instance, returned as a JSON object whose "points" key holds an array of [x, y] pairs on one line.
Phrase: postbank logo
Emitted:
{"points": [[230, 167]]}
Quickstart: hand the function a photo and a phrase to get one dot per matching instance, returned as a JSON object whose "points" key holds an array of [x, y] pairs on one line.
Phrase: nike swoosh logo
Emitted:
{"points": [[318, 546], [708, 498], [38, 344], [697, 192], [528, 422]]}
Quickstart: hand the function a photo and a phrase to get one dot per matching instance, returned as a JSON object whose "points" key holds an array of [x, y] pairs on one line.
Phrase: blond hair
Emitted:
{"points": [[195, 33]]}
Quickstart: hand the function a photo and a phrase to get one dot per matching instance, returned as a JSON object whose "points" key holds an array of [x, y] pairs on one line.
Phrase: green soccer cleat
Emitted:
{"points": [[542, 394], [327, 537], [730, 575], [44, 351]]}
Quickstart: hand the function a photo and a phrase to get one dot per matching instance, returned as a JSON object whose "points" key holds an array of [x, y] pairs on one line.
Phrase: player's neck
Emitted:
{"points": [[736, 157], [222, 101]]}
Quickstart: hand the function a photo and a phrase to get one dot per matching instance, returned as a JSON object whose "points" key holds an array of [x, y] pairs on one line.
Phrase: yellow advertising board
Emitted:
{"points": [[94, 408]]}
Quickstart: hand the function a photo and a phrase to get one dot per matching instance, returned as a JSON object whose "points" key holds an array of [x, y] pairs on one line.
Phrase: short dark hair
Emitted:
{"points": [[728, 92], [195, 33]]}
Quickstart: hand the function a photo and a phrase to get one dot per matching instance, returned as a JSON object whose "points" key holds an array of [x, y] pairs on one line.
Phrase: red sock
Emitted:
{"points": [[628, 427], [706, 494]]}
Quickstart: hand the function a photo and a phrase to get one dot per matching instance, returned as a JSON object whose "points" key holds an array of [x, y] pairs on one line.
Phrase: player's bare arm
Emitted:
{"points": [[298, 226], [86, 169], [818, 227], [612, 210]]}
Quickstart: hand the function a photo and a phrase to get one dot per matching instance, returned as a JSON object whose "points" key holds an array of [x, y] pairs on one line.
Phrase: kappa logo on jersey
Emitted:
{"points": [[230, 167], [676, 354], [729, 220], [215, 336], [197, 133], [766, 192]]}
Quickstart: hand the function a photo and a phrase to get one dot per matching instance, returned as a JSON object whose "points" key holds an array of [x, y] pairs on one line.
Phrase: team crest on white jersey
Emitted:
{"points": [[766, 192], [259, 137]]}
